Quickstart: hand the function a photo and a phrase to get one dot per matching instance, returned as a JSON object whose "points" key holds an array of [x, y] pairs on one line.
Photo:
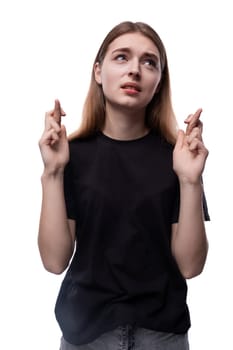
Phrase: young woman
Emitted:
{"points": [[123, 206]]}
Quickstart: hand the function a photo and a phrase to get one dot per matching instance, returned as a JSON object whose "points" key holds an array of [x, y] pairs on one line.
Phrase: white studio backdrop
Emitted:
{"points": [[47, 49]]}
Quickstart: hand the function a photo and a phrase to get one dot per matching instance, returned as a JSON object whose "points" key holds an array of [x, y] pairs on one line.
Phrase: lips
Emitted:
{"points": [[131, 86]]}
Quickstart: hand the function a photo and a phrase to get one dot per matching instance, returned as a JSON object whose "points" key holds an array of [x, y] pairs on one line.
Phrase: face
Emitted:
{"points": [[130, 72]]}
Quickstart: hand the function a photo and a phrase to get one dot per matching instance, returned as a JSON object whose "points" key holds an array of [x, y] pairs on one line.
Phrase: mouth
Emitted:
{"points": [[131, 87]]}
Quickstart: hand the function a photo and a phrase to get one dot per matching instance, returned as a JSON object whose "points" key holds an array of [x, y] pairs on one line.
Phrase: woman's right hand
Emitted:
{"points": [[53, 143]]}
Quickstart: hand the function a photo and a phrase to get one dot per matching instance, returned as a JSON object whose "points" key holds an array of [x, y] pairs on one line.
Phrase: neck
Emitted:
{"points": [[124, 126]]}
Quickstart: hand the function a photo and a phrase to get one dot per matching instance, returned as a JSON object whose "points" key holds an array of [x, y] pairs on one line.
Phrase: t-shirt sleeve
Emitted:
{"points": [[176, 208], [205, 208], [69, 192]]}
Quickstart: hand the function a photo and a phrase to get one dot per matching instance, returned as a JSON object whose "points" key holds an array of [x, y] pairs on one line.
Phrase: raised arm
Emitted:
{"points": [[189, 241], [56, 238]]}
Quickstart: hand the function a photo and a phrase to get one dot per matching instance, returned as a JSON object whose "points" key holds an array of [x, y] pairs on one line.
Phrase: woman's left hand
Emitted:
{"points": [[190, 153]]}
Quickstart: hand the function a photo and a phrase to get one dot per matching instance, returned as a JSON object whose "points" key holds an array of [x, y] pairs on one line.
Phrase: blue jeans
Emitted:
{"points": [[130, 338]]}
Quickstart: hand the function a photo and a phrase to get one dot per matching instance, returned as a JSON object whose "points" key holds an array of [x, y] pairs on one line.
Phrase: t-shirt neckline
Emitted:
{"points": [[119, 141]]}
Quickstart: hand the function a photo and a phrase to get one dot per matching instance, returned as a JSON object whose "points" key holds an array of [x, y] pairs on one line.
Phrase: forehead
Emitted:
{"points": [[134, 41]]}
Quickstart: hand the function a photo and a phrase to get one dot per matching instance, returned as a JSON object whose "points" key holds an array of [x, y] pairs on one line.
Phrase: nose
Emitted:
{"points": [[134, 69]]}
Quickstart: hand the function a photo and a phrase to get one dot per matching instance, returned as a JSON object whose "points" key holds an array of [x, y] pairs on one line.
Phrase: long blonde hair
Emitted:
{"points": [[159, 112]]}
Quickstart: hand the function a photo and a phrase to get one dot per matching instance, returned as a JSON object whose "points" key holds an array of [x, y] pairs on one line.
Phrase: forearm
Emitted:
{"points": [[189, 241], [55, 241]]}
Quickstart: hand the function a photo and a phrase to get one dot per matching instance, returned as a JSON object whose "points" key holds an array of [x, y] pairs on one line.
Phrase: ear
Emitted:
{"points": [[97, 72]]}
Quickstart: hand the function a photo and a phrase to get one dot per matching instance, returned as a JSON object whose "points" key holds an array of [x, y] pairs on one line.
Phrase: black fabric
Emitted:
{"points": [[124, 196]]}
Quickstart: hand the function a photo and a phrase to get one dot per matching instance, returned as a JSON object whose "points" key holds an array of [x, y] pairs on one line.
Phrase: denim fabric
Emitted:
{"points": [[130, 338]]}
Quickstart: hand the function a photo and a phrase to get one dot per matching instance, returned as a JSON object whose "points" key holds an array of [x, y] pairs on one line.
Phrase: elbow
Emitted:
{"points": [[54, 262], [191, 273], [53, 266], [194, 266], [193, 269], [54, 269]]}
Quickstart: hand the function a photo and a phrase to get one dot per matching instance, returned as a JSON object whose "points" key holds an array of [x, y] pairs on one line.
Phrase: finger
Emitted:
{"points": [[193, 146], [62, 112], [189, 117], [57, 112], [49, 137], [50, 122], [195, 133], [196, 115], [198, 146], [196, 130], [47, 119], [63, 134], [179, 140], [192, 121], [200, 125]]}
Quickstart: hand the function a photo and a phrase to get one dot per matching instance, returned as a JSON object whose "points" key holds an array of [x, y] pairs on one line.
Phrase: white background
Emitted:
{"points": [[46, 51]]}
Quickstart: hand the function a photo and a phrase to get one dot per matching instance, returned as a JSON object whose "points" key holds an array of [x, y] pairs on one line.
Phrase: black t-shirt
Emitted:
{"points": [[124, 197]]}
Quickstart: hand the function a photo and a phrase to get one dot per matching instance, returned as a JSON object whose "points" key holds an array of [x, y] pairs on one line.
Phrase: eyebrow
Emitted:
{"points": [[145, 54]]}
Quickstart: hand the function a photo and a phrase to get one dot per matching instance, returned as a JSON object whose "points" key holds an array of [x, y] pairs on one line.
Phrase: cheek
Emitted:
{"points": [[155, 83], [152, 87], [106, 84], [109, 78]]}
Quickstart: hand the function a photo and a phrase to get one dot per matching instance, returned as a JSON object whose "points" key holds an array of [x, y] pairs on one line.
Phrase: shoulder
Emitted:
{"points": [[161, 141], [82, 151], [78, 144]]}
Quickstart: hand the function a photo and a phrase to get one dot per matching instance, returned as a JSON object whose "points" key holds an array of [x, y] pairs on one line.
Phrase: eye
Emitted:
{"points": [[151, 63], [120, 57]]}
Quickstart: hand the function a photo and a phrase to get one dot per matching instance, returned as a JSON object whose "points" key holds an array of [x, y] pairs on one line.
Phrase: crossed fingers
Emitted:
{"points": [[194, 127], [53, 117], [53, 122]]}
